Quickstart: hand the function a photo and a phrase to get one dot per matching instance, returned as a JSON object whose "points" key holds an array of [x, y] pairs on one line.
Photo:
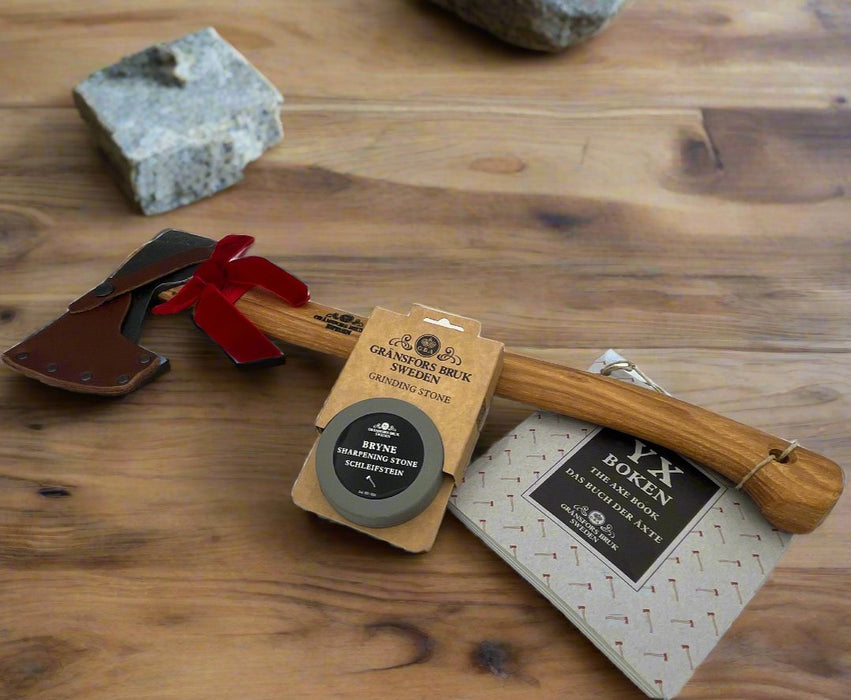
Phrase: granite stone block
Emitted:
{"points": [[180, 121], [542, 25]]}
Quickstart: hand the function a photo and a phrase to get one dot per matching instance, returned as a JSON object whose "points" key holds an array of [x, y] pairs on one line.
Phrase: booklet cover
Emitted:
{"points": [[651, 556]]}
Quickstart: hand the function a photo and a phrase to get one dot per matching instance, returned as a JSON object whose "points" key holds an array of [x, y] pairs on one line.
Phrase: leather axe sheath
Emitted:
{"points": [[93, 347], [794, 488]]}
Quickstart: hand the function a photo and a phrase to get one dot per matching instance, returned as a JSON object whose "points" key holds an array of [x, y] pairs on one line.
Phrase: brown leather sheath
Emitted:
{"points": [[92, 348]]}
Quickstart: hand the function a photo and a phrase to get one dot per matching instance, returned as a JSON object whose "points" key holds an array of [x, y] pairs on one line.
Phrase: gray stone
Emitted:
{"points": [[180, 121], [542, 25]]}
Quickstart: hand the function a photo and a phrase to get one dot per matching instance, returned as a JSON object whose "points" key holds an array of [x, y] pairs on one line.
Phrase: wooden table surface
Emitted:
{"points": [[676, 188]]}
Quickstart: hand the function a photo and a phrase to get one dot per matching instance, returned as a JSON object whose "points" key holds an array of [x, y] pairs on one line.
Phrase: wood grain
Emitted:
{"points": [[676, 188], [794, 487]]}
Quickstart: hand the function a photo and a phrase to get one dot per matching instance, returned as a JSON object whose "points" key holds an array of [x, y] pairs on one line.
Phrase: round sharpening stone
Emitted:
{"points": [[380, 462]]}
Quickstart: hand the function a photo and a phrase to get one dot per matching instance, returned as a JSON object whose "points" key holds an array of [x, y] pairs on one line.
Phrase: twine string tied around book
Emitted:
{"points": [[627, 366]]}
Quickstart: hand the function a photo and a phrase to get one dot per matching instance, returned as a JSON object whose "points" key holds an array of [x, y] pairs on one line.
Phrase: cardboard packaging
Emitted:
{"points": [[434, 361]]}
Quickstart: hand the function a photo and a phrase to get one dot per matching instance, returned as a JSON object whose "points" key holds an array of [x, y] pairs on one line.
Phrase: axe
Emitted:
{"points": [[93, 348]]}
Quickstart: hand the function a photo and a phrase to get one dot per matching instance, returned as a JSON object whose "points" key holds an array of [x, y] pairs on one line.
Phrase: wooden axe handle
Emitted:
{"points": [[794, 495]]}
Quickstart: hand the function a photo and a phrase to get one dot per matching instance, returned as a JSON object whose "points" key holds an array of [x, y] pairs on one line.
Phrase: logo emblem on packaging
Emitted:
{"points": [[427, 345], [385, 430]]}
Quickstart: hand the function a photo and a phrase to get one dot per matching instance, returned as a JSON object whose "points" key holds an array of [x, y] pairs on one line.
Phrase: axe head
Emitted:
{"points": [[93, 348]]}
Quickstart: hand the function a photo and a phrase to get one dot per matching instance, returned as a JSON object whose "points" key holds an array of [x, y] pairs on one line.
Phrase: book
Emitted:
{"points": [[651, 556]]}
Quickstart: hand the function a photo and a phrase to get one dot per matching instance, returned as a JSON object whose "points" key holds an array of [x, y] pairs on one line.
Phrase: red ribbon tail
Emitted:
{"points": [[181, 301], [233, 332], [256, 271], [231, 247]]}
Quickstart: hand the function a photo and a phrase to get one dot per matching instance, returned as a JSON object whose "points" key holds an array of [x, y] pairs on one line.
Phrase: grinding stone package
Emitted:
{"points": [[649, 555], [399, 427], [380, 462]]}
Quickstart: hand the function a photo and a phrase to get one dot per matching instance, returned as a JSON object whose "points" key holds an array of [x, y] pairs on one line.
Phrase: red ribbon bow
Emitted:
{"points": [[218, 283]]}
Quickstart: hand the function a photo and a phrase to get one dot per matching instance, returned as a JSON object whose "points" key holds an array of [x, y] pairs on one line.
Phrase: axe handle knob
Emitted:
{"points": [[795, 495]]}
